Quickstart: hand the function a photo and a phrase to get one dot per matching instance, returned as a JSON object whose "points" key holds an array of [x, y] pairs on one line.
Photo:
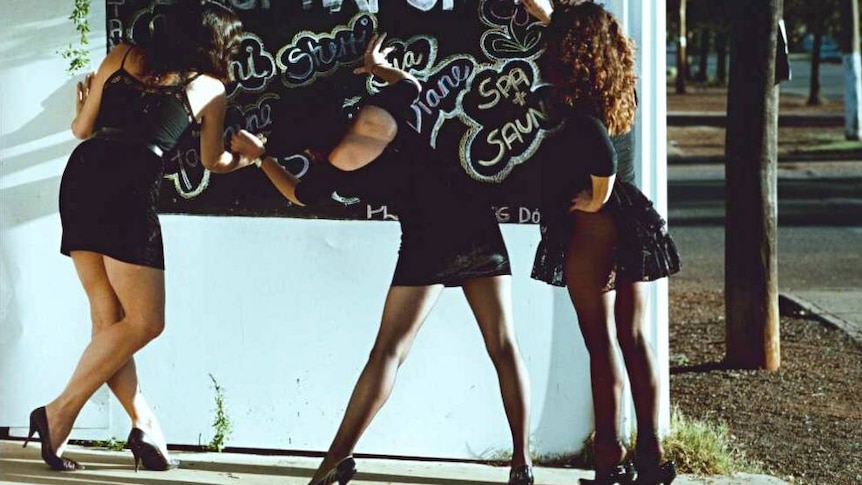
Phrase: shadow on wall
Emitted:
{"points": [[26, 202], [34, 31], [568, 393], [55, 117]]}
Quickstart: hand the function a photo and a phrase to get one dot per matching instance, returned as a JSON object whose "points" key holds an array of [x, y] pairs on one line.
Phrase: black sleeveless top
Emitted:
{"points": [[154, 115]]}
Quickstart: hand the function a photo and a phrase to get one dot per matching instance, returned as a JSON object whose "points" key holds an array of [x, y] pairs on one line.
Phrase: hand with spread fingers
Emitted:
{"points": [[375, 55]]}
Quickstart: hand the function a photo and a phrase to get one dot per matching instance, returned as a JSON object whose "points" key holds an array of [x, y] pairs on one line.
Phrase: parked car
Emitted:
{"points": [[829, 50]]}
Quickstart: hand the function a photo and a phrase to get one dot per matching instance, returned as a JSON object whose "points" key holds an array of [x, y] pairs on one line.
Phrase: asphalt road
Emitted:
{"points": [[809, 194], [831, 76], [819, 233], [808, 257]]}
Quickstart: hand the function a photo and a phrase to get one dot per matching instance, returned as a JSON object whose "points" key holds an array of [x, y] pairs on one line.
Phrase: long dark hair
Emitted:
{"points": [[193, 35]]}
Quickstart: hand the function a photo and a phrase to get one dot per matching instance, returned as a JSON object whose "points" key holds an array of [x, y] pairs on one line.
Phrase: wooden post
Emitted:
{"points": [[850, 40], [751, 263], [681, 55], [721, 53]]}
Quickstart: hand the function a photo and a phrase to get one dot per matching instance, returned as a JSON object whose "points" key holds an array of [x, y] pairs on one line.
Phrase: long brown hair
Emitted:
{"points": [[591, 62], [193, 35]]}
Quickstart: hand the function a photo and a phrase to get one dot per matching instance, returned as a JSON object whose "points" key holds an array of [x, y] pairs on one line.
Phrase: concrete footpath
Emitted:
{"points": [[25, 467]]}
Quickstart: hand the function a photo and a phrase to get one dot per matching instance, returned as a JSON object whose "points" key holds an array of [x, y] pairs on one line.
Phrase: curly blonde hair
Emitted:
{"points": [[591, 62]]}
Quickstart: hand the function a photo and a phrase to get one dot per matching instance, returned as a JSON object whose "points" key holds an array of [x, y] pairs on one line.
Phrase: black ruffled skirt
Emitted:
{"points": [[644, 251]]}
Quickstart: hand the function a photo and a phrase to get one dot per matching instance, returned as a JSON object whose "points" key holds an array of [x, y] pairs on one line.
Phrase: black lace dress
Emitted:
{"points": [[448, 234], [110, 187], [644, 250]]}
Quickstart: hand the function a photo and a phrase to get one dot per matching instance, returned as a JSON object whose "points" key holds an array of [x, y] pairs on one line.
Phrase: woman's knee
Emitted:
{"points": [[501, 349], [389, 350]]}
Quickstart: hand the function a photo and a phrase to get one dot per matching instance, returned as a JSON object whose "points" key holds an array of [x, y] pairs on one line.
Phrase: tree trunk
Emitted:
{"points": [[703, 58], [850, 40], [721, 53], [751, 270], [681, 55], [814, 91]]}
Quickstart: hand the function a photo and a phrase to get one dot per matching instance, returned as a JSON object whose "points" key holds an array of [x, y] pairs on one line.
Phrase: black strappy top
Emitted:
{"points": [[156, 116]]}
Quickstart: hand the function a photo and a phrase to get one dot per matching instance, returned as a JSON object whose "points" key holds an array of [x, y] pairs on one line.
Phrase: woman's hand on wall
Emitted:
{"points": [[375, 56], [83, 92]]}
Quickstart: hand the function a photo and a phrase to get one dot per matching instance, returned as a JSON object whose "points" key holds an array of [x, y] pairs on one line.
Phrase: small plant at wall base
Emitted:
{"points": [[79, 57], [222, 426]]}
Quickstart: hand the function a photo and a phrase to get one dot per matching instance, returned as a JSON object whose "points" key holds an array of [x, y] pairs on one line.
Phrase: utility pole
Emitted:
{"points": [[681, 55], [850, 40], [751, 262]]}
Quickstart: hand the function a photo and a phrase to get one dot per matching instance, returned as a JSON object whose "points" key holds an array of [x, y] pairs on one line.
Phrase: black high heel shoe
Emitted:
{"points": [[521, 475], [342, 473], [622, 474], [662, 474], [39, 422], [147, 453]]}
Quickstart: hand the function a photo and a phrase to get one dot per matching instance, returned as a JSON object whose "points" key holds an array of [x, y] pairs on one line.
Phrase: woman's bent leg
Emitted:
{"points": [[105, 310], [403, 314], [491, 302], [140, 291]]}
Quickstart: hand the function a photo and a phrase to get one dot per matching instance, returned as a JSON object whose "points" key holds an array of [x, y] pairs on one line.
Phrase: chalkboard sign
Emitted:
{"points": [[484, 106]]}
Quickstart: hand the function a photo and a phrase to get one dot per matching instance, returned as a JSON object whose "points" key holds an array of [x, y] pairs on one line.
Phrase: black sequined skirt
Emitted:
{"points": [[644, 249], [452, 252], [108, 200]]}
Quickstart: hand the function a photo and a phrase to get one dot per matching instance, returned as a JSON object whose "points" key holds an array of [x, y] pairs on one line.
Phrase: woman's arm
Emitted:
{"points": [[252, 148], [596, 150], [541, 9], [375, 125], [594, 199], [209, 93], [89, 92]]}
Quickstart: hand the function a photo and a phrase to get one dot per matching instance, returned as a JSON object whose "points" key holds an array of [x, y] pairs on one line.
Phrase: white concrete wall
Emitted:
{"points": [[281, 311]]}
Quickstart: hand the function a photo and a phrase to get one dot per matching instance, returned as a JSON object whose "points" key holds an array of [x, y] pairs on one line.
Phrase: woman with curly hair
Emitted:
{"points": [[601, 237], [130, 113]]}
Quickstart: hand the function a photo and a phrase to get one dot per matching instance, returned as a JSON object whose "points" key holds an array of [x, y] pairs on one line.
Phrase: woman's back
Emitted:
{"points": [[134, 109]]}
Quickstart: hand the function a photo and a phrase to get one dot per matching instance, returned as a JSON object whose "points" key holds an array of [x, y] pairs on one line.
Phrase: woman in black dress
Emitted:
{"points": [[450, 237], [131, 112], [601, 237]]}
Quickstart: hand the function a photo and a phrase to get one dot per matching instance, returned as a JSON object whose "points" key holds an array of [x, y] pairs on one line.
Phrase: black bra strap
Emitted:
{"points": [[129, 50], [192, 78]]}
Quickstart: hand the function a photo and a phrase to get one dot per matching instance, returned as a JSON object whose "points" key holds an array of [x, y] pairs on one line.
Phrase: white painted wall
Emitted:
{"points": [[281, 311]]}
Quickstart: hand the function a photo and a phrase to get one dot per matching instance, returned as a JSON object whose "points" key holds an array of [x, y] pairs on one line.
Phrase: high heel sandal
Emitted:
{"points": [[146, 452], [621, 474], [39, 422], [521, 475], [662, 474], [342, 473], [651, 470]]}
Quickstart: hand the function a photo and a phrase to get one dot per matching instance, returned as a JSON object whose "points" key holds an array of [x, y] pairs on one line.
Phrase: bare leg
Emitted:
{"points": [[638, 357], [491, 301], [105, 310], [589, 262], [403, 314], [141, 293]]}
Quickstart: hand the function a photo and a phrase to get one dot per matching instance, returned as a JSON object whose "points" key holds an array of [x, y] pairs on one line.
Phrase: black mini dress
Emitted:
{"points": [[109, 191], [644, 250], [449, 234]]}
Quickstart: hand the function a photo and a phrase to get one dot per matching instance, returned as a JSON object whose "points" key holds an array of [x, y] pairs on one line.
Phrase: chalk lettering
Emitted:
{"points": [[381, 213], [311, 55], [253, 70]]}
